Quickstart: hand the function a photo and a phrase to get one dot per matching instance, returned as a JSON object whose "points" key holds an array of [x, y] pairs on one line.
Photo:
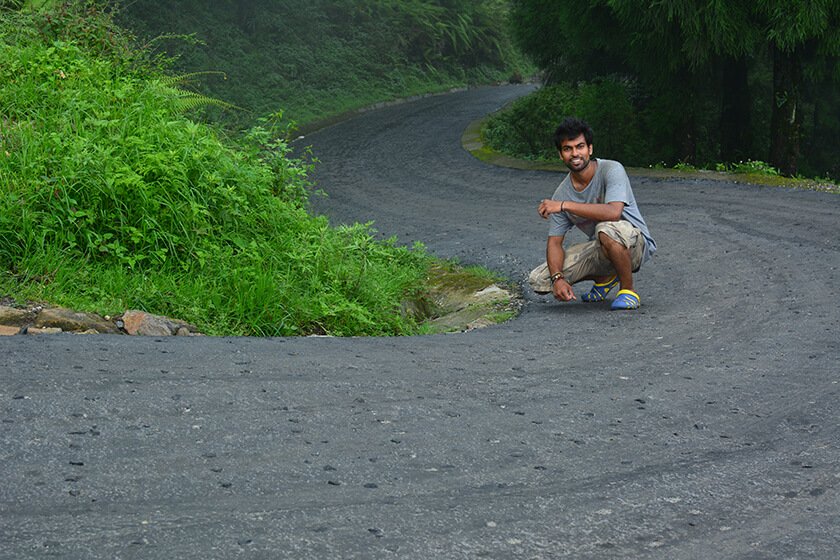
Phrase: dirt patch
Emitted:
{"points": [[461, 299]]}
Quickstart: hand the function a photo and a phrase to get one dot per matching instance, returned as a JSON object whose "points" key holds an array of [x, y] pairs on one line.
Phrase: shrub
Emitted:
{"points": [[110, 197], [525, 128]]}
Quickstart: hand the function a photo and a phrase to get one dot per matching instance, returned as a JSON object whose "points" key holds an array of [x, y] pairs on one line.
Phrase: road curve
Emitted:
{"points": [[701, 426]]}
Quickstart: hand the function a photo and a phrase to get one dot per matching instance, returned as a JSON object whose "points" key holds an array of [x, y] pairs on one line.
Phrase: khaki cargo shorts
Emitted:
{"points": [[586, 260]]}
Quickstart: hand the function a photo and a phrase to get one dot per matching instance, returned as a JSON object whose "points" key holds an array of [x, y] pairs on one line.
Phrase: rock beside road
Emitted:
{"points": [[457, 300], [40, 319], [456, 303]]}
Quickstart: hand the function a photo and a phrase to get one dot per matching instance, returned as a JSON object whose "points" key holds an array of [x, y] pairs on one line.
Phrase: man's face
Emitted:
{"points": [[576, 153]]}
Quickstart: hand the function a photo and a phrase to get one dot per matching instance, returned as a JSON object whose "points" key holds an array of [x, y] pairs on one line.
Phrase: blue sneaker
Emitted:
{"points": [[626, 299], [599, 291]]}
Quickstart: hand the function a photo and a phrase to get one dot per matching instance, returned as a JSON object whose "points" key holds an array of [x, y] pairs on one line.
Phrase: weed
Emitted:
{"points": [[682, 166], [756, 167]]}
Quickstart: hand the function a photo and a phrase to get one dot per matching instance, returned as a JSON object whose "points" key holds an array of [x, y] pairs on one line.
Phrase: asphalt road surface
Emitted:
{"points": [[703, 425]]}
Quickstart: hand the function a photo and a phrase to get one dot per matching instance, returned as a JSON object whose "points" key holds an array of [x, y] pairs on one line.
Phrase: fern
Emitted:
{"points": [[184, 99], [182, 79]]}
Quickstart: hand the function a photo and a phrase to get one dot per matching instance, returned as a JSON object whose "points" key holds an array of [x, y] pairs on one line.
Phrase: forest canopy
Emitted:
{"points": [[708, 81]]}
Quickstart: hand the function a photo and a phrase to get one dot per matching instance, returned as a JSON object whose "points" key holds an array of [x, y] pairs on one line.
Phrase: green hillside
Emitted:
{"points": [[319, 58]]}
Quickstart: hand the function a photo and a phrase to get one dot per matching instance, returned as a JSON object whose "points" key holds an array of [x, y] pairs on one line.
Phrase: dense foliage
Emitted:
{"points": [[110, 198], [322, 57], [708, 81], [525, 127]]}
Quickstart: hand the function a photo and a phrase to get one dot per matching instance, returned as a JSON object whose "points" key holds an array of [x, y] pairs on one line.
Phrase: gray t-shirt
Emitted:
{"points": [[610, 184]]}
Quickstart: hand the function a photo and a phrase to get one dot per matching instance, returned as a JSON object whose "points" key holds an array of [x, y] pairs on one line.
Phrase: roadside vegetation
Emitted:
{"points": [[112, 198], [130, 179], [692, 85], [523, 130]]}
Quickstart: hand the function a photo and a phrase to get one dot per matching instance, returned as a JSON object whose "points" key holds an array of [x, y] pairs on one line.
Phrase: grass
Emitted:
{"points": [[756, 173], [112, 198]]}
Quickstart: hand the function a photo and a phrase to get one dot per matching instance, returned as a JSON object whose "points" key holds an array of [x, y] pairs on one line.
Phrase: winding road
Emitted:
{"points": [[703, 426]]}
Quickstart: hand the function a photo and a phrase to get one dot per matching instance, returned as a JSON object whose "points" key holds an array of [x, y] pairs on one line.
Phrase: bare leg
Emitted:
{"points": [[619, 256]]}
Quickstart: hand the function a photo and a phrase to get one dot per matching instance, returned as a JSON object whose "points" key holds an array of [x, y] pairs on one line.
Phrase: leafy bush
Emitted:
{"points": [[111, 198], [525, 128], [606, 105]]}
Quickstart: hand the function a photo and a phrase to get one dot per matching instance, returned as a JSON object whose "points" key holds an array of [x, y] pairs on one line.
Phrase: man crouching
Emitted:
{"points": [[596, 197]]}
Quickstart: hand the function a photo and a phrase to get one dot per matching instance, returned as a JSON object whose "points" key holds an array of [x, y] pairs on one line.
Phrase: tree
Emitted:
{"points": [[571, 41], [687, 52], [663, 45], [704, 47], [800, 33]]}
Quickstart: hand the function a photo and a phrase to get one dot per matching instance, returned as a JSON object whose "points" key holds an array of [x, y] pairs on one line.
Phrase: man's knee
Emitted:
{"points": [[613, 244], [608, 244]]}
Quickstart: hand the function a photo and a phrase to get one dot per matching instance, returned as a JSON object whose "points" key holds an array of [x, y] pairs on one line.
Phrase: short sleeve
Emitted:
{"points": [[617, 184], [559, 225]]}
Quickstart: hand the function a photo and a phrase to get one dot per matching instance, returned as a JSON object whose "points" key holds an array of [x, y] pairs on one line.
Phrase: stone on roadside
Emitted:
{"points": [[43, 330], [140, 323], [491, 294], [6, 330], [479, 323], [12, 316], [73, 321]]}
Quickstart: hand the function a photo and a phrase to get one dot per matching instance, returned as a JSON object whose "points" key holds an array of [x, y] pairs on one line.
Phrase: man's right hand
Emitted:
{"points": [[548, 207], [563, 290]]}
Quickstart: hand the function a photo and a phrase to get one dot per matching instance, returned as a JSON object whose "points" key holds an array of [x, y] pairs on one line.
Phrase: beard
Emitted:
{"points": [[578, 165]]}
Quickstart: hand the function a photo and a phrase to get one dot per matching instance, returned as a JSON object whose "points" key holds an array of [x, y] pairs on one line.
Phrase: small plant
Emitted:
{"points": [[754, 167], [827, 178], [185, 99], [683, 166]]}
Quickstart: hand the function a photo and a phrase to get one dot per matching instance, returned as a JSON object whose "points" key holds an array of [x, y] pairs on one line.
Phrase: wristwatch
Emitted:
{"points": [[557, 276]]}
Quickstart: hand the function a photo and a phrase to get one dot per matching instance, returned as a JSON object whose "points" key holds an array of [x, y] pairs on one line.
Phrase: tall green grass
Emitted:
{"points": [[111, 198]]}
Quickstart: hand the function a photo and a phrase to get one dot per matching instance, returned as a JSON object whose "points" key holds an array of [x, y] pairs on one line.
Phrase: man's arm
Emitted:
{"points": [[555, 256], [607, 212]]}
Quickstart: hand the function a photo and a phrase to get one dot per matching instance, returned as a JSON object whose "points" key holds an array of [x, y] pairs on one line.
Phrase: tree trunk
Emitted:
{"points": [[687, 139], [683, 93], [735, 121], [786, 121]]}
